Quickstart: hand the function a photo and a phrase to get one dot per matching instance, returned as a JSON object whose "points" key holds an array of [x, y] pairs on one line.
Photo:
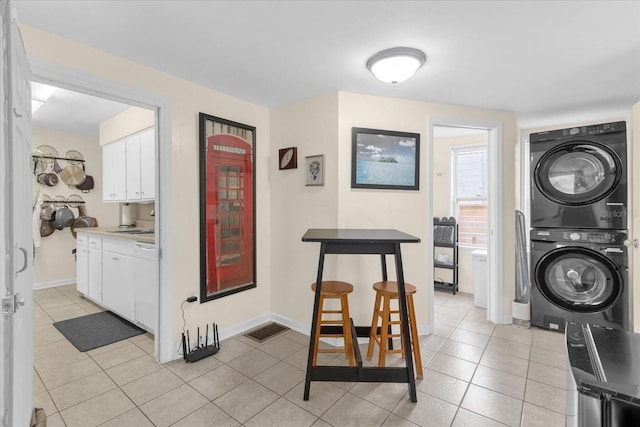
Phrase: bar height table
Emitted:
{"points": [[361, 241]]}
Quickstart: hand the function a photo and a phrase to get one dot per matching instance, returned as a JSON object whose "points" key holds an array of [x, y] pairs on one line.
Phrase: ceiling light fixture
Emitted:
{"points": [[397, 64]]}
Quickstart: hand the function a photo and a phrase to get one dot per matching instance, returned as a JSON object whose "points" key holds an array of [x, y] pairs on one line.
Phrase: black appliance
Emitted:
{"points": [[579, 276], [603, 384], [579, 177]]}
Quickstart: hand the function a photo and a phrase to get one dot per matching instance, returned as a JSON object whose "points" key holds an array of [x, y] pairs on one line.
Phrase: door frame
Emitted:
{"points": [[79, 81], [495, 303]]}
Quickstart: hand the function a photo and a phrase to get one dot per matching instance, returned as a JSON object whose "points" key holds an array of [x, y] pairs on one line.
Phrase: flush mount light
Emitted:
{"points": [[397, 64]]}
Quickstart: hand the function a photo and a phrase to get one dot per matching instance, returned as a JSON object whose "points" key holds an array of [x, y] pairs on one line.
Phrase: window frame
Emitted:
{"points": [[453, 182]]}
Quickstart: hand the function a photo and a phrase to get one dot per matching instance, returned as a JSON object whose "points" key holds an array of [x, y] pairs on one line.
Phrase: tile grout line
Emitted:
{"points": [[349, 391]]}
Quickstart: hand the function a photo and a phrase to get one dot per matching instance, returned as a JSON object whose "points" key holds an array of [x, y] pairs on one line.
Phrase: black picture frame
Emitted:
{"points": [[227, 192], [384, 159]]}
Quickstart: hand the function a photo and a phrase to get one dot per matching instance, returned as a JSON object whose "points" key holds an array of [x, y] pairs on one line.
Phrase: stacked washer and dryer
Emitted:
{"points": [[579, 209]]}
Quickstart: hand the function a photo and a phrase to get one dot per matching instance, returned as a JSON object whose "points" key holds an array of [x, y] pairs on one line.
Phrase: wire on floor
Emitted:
{"points": [[184, 329]]}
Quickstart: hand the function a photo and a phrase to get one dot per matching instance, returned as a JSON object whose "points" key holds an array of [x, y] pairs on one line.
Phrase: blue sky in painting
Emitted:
{"points": [[374, 147]]}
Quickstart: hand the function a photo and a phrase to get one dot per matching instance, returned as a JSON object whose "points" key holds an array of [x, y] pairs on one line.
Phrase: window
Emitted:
{"points": [[469, 193]]}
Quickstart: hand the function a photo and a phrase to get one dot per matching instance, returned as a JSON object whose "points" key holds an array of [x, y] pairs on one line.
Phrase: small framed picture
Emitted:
{"points": [[314, 170], [288, 158]]}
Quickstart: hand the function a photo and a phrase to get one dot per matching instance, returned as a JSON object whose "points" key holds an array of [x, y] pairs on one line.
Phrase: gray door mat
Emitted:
{"points": [[97, 330], [265, 332]]}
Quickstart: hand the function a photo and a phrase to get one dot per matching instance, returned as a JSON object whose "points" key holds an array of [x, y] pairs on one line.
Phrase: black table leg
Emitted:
{"points": [[314, 319], [404, 319], [383, 261]]}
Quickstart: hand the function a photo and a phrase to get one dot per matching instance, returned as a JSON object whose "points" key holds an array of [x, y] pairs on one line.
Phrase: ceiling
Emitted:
{"points": [[74, 112], [550, 62]]}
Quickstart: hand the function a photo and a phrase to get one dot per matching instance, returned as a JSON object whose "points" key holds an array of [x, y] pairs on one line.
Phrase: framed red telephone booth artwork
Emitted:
{"points": [[227, 207]]}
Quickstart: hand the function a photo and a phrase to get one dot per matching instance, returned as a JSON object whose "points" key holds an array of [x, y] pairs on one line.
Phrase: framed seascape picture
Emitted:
{"points": [[385, 159], [314, 170], [227, 207]]}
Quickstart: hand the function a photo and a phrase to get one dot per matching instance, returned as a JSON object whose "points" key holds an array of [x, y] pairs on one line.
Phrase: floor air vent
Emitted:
{"points": [[266, 332]]}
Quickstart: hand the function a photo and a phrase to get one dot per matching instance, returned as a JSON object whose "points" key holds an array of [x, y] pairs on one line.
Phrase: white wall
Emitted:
{"points": [[125, 123], [312, 126], [407, 210], [54, 264], [285, 208], [187, 100], [323, 125]]}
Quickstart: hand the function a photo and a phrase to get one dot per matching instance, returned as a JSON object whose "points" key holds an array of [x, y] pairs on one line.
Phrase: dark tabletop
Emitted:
{"points": [[357, 235]]}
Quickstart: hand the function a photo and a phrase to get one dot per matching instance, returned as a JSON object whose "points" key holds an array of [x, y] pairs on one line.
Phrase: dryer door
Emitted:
{"points": [[578, 173], [578, 279]]}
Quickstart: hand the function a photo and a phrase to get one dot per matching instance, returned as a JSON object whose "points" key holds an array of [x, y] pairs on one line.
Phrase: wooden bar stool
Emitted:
{"points": [[385, 292], [333, 289]]}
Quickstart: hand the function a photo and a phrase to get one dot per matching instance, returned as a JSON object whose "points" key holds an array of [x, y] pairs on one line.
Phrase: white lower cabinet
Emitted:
{"points": [[94, 275], [117, 277], [121, 275], [145, 284], [82, 263]]}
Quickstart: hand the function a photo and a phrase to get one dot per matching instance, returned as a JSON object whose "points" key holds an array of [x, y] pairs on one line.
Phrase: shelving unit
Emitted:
{"points": [[445, 235]]}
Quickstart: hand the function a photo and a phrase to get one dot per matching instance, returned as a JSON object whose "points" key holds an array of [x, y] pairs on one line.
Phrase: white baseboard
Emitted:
{"points": [[243, 327], [426, 329], [54, 283], [250, 324], [294, 325]]}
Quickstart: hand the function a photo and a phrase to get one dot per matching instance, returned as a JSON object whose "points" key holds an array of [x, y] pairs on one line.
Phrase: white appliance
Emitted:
{"points": [[126, 217], [479, 257]]}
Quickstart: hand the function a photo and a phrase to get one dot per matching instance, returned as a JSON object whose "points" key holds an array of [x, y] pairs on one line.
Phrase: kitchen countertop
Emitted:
{"points": [[111, 232]]}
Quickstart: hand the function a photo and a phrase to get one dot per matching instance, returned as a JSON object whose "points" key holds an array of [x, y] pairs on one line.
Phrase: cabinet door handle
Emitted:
{"points": [[144, 246], [25, 260]]}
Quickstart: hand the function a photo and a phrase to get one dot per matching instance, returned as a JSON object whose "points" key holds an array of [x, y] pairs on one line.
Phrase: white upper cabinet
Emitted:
{"points": [[129, 171], [148, 165], [114, 177], [133, 167]]}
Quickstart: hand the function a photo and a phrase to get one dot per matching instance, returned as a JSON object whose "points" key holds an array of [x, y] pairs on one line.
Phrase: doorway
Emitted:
{"points": [[454, 142], [65, 124], [74, 80]]}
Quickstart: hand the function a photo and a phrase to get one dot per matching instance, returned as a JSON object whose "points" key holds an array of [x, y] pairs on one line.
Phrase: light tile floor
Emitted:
{"points": [[475, 374]]}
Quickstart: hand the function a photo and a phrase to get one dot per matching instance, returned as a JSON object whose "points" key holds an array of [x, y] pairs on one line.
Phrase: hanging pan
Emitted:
{"points": [[38, 164], [46, 229], [62, 218], [87, 184], [83, 221], [48, 179], [73, 175], [74, 157], [47, 212], [45, 154]]}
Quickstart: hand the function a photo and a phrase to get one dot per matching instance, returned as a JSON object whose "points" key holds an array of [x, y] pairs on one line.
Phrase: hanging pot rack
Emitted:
{"points": [[38, 156]]}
